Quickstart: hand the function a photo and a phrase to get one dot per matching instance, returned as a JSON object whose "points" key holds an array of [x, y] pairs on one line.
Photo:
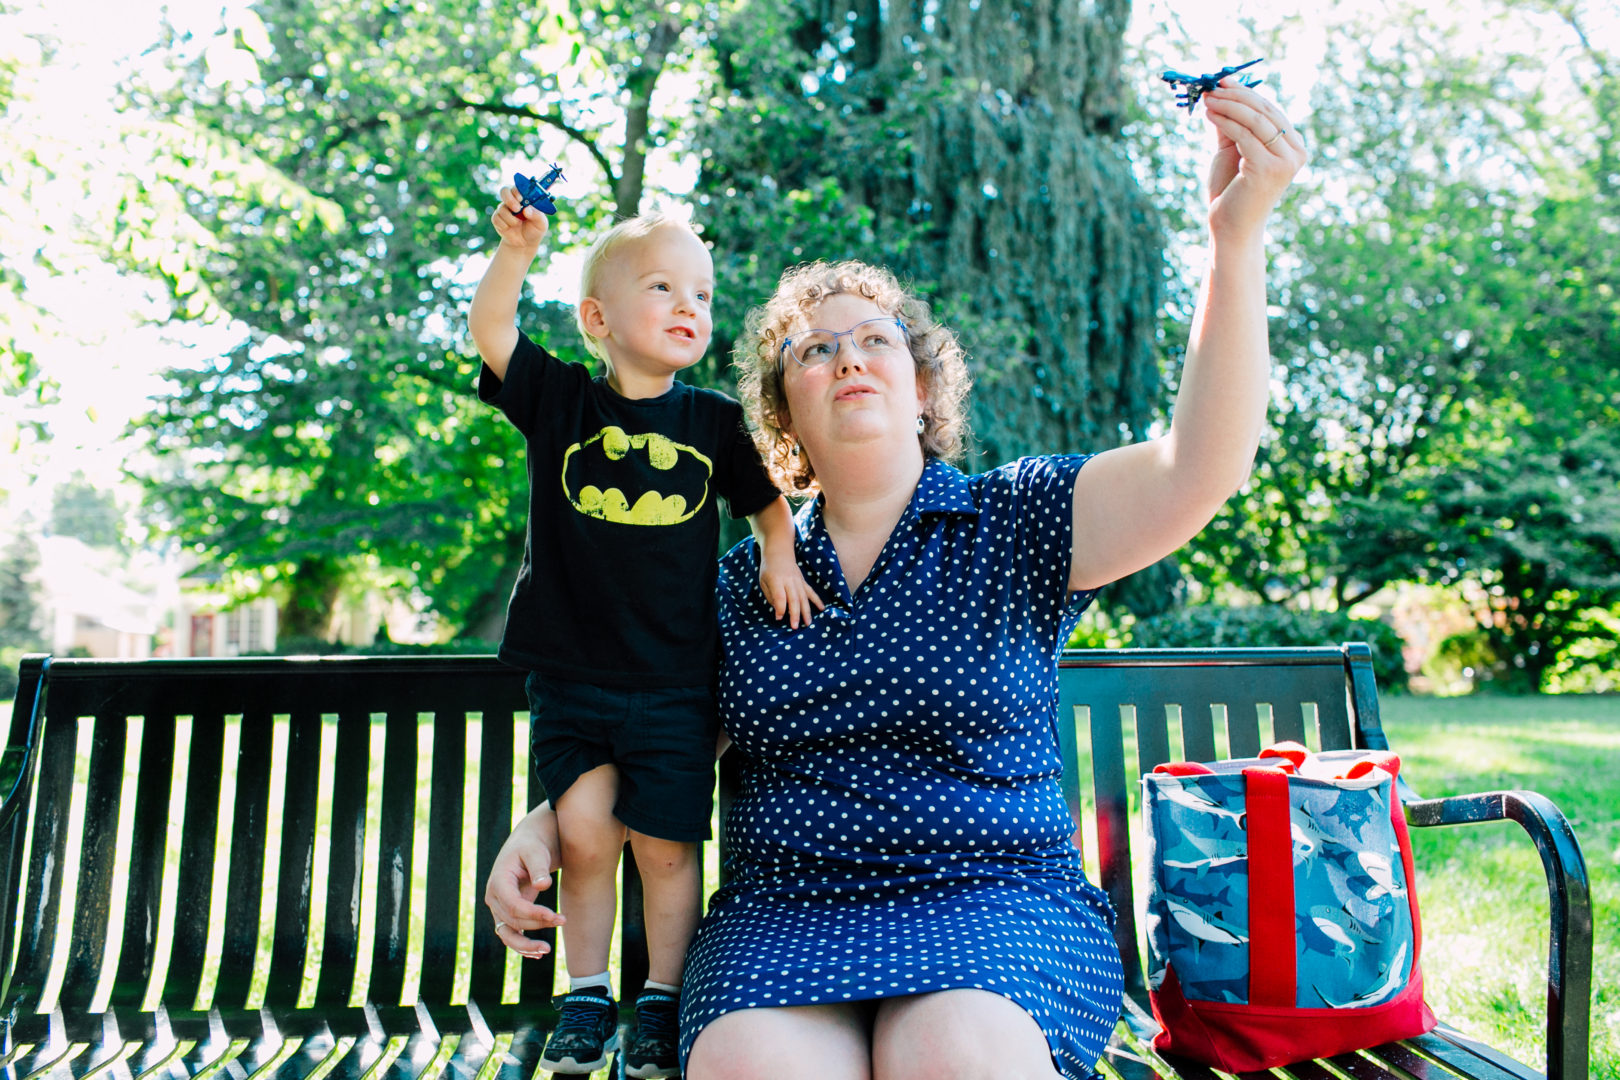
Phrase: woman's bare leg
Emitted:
{"points": [[966, 1034], [807, 1042]]}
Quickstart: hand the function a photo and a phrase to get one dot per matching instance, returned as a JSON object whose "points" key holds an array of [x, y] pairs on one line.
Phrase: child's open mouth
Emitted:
{"points": [[681, 331]]}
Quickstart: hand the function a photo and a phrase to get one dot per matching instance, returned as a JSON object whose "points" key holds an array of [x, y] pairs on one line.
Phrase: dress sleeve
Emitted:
{"points": [[743, 481], [1043, 530], [531, 376]]}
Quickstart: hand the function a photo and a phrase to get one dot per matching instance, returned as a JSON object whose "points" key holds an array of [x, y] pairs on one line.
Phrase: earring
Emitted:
{"points": [[922, 424], [793, 451]]}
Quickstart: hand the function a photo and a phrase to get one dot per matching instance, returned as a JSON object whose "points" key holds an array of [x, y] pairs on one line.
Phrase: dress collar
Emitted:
{"points": [[943, 490]]}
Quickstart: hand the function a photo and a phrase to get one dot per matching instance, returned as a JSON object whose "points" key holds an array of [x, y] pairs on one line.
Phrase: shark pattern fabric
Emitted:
{"points": [[1281, 893]]}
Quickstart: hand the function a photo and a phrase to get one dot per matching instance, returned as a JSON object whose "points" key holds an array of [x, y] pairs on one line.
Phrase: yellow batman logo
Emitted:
{"points": [[624, 478]]}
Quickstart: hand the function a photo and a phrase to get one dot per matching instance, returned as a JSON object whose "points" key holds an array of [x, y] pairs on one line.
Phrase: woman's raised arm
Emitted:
{"points": [[1135, 504]]}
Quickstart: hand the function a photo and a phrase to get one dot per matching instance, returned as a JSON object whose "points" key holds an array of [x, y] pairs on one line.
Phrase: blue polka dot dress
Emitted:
{"points": [[899, 828]]}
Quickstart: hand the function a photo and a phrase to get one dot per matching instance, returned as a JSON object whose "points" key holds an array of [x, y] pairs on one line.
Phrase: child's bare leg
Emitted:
{"points": [[592, 840], [672, 888]]}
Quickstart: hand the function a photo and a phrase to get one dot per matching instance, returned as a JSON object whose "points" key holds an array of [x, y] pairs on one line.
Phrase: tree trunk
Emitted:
{"points": [[307, 612]]}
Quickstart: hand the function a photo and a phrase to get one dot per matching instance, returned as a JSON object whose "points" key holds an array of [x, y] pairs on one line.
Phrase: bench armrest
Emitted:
{"points": [[1569, 949]]}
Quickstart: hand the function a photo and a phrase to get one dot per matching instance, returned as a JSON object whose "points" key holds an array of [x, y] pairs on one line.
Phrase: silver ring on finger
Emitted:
{"points": [[499, 926], [1280, 133]]}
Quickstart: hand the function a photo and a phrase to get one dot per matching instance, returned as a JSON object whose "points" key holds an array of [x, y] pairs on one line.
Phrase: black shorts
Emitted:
{"points": [[661, 740]]}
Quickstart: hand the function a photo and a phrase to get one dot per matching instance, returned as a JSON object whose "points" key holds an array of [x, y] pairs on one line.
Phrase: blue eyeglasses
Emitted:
{"points": [[872, 338]]}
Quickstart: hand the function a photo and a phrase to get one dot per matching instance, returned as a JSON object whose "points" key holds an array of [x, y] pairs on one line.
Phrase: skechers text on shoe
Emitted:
{"points": [[587, 1032]]}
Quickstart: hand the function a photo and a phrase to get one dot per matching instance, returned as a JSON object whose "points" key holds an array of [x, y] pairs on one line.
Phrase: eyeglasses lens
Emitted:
{"points": [[872, 338]]}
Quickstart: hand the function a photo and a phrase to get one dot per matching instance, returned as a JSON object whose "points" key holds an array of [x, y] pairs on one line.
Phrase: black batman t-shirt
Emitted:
{"points": [[619, 561]]}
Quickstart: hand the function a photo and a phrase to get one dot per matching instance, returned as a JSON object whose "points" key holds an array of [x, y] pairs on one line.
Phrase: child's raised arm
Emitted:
{"points": [[779, 577], [493, 315]]}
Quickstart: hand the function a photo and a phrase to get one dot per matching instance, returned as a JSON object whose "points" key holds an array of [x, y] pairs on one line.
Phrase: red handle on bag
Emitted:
{"points": [[1271, 888]]}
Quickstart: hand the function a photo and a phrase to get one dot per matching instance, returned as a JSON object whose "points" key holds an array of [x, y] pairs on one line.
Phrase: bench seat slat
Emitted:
{"points": [[1468, 1056]]}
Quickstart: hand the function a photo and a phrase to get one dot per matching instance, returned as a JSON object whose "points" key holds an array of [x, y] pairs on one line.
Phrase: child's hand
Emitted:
{"points": [[522, 229], [786, 590]]}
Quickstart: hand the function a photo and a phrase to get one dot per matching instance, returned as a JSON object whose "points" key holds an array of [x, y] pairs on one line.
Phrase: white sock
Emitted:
{"points": [[665, 987], [600, 982]]}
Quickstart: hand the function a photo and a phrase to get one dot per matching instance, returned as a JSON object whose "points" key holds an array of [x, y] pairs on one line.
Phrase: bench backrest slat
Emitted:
{"points": [[47, 859], [148, 837], [444, 853], [340, 938], [300, 798]]}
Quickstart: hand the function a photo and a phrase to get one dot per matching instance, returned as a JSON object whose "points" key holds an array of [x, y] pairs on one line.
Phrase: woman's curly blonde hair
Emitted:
{"points": [[937, 356]]}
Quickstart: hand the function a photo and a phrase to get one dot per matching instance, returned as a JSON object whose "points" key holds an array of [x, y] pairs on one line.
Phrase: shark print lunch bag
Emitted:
{"points": [[1282, 922]]}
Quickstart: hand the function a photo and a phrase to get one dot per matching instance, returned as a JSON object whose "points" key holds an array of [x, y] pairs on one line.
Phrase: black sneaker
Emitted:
{"points": [[652, 1051], [587, 1032]]}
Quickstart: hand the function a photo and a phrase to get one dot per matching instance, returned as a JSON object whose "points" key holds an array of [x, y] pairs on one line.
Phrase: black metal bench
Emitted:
{"points": [[273, 866]]}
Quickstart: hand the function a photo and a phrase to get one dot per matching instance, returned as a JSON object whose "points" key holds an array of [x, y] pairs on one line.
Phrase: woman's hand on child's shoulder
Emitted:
{"points": [[521, 227]]}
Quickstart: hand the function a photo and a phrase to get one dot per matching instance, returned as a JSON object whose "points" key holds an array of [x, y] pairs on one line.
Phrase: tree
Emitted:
{"points": [[974, 149], [21, 617], [342, 431], [87, 513], [1449, 340], [24, 167]]}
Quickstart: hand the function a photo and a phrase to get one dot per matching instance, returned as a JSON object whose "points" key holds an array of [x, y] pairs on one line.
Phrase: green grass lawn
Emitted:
{"points": [[1481, 888]]}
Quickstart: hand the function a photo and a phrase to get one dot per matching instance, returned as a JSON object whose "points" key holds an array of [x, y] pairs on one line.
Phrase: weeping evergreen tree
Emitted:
{"points": [[974, 148]]}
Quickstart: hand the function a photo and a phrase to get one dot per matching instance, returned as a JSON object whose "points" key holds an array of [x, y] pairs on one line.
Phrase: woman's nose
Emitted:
{"points": [[849, 357]]}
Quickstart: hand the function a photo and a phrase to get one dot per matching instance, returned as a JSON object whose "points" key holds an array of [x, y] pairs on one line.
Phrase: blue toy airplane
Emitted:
{"points": [[536, 193], [1199, 85]]}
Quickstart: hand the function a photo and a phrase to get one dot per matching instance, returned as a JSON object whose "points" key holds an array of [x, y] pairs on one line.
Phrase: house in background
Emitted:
{"points": [[95, 602], [208, 624]]}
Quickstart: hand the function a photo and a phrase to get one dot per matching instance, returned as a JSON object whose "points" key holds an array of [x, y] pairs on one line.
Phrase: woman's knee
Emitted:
{"points": [[818, 1042], [958, 1035]]}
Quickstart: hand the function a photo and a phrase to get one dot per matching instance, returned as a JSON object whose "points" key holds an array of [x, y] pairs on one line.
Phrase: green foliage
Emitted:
{"points": [[1217, 626], [85, 512], [972, 148], [1448, 336], [319, 646], [21, 616], [10, 664], [24, 167]]}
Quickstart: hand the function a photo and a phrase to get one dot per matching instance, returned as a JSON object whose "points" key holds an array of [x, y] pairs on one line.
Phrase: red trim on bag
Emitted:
{"points": [[1246, 1038], [1397, 818], [1292, 752], [1271, 888], [1184, 768]]}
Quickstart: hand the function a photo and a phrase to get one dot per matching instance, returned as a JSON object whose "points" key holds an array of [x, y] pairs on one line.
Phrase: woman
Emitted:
{"points": [[905, 899]]}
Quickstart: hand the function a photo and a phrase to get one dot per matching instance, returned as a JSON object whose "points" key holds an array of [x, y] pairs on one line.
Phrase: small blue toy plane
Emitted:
{"points": [[1199, 85], [537, 193]]}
